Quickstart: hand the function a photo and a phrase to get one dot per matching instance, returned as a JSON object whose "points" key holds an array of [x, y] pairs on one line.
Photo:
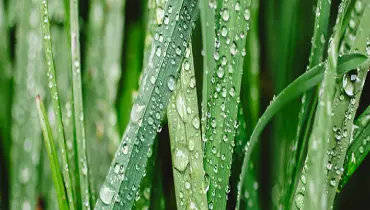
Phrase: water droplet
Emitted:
{"points": [[247, 14], [171, 82], [191, 144], [137, 113], [106, 194], [224, 31], [192, 82], [195, 122], [181, 159], [299, 198], [181, 106], [225, 15], [349, 81], [26, 205], [233, 49], [159, 14], [333, 182]]}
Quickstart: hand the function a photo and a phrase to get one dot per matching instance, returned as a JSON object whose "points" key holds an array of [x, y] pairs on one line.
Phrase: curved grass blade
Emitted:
{"points": [[127, 168], [186, 142], [53, 86], [309, 99], [302, 84], [81, 156], [25, 131], [52, 155], [359, 149], [346, 101], [223, 102]]}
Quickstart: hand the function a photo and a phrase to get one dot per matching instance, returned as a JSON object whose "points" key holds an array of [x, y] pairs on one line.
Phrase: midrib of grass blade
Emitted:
{"points": [[186, 142], [309, 99], [52, 155], [26, 132], [81, 159], [53, 86], [299, 86], [208, 24], [359, 149], [223, 102], [127, 168], [346, 101]]}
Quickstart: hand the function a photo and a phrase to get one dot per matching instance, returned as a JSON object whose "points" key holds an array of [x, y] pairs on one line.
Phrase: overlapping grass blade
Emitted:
{"points": [[348, 91], [221, 119], [309, 100], [359, 148], [186, 142], [127, 168], [80, 139], [52, 84], [25, 130], [52, 155], [299, 86]]}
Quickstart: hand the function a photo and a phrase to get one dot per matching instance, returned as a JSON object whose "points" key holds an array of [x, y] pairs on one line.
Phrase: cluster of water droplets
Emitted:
{"points": [[157, 84], [222, 104]]}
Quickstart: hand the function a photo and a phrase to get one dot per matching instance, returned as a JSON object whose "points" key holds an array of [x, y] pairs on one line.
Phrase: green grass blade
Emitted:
{"points": [[350, 91], [5, 85], [249, 196], [81, 159], [309, 99], [223, 103], [26, 131], [208, 23], [157, 85], [186, 142], [359, 149], [299, 86], [52, 155], [53, 86]]}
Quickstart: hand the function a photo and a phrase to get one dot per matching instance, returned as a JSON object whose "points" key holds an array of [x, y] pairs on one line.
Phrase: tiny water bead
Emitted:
{"points": [[106, 194], [299, 200], [171, 83]]}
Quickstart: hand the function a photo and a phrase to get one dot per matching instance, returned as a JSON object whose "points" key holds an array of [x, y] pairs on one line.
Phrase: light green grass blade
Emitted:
{"points": [[81, 159], [224, 99], [53, 86], [157, 85], [302, 84], [309, 99], [208, 11], [348, 91], [26, 131], [186, 142], [359, 149], [52, 155]]}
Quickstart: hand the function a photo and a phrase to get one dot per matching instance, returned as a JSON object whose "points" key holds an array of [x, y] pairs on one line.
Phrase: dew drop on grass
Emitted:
{"points": [[137, 113], [181, 159], [191, 144], [225, 15], [349, 82], [26, 205], [125, 148], [171, 82], [333, 182], [224, 31], [299, 198], [195, 122], [192, 82], [181, 106], [159, 15], [247, 14], [106, 194]]}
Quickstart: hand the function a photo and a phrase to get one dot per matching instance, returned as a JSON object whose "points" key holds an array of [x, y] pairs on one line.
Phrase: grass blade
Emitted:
{"points": [[25, 130], [224, 99], [350, 91], [52, 155], [186, 142], [299, 86], [81, 159], [309, 99], [359, 149], [147, 112], [52, 83]]}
